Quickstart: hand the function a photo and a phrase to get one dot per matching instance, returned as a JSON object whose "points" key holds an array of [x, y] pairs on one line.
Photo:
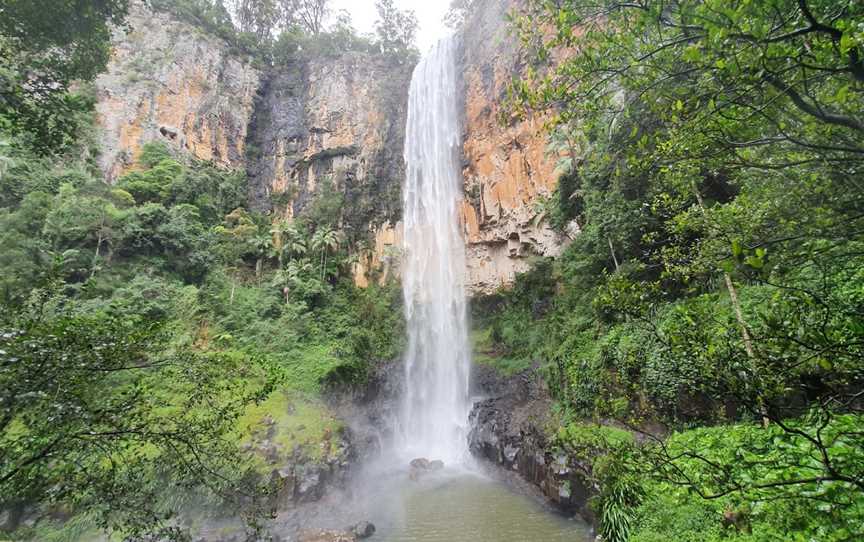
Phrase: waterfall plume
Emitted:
{"points": [[435, 406]]}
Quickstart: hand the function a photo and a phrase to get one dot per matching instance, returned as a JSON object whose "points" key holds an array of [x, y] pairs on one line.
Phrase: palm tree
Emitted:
{"points": [[282, 231], [290, 276], [325, 240], [263, 245], [297, 245], [6, 160]]}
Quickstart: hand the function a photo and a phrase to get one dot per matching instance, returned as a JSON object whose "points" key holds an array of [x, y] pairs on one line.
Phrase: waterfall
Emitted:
{"points": [[438, 360]]}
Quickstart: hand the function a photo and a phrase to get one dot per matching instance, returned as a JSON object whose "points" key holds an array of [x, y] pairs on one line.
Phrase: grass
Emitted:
{"points": [[487, 353], [288, 420], [307, 365]]}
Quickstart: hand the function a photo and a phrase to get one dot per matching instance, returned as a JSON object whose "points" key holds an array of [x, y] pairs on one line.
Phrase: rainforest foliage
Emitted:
{"points": [[711, 156], [149, 325], [282, 31]]}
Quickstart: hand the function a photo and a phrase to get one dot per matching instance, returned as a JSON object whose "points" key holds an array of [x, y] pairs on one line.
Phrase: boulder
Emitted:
{"points": [[363, 529], [310, 484], [420, 463], [421, 466]]}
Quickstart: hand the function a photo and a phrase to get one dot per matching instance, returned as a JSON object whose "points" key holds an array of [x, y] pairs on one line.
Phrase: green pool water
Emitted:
{"points": [[464, 507]]}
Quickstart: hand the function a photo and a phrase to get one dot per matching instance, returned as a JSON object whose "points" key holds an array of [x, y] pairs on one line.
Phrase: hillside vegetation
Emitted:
{"points": [[711, 155], [153, 329]]}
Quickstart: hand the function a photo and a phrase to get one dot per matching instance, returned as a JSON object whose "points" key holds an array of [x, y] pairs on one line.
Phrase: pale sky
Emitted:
{"points": [[430, 15]]}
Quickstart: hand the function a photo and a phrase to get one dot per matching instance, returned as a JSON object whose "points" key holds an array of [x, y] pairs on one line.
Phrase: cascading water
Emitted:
{"points": [[456, 504], [436, 402]]}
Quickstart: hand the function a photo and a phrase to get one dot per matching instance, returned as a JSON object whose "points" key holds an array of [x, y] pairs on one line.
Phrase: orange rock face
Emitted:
{"points": [[381, 263], [507, 170], [169, 81], [338, 120]]}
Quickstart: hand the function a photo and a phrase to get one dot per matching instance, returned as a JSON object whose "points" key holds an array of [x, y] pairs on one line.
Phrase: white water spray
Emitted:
{"points": [[436, 403]]}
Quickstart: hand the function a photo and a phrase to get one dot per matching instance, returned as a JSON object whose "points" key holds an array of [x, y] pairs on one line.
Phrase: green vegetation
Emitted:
{"points": [[284, 31], [210, 317], [746, 475], [103, 414], [46, 45], [710, 153], [155, 333], [702, 335], [485, 352], [292, 422]]}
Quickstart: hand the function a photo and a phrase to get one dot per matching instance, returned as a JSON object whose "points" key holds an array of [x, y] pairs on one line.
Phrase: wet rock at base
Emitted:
{"points": [[420, 463], [421, 466], [309, 482], [363, 529]]}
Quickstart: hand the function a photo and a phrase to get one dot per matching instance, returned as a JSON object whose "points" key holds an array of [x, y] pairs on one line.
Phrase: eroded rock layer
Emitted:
{"points": [[338, 121]]}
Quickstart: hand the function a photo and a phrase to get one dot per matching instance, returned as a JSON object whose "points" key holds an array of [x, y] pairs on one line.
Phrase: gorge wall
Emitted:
{"points": [[509, 428], [338, 119], [171, 81], [334, 121], [507, 172]]}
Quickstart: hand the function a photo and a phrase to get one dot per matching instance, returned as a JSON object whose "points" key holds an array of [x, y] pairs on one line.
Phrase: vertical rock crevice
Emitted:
{"points": [[337, 120]]}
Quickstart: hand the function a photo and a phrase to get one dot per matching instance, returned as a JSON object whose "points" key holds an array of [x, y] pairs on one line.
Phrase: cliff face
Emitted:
{"points": [[330, 121], [169, 80], [506, 170], [509, 429], [337, 121]]}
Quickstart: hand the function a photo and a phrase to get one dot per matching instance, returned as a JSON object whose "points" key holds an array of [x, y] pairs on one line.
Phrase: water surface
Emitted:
{"points": [[461, 506]]}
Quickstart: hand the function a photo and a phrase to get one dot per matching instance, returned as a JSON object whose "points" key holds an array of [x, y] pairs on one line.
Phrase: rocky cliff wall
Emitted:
{"points": [[334, 121], [170, 81], [339, 119], [506, 171], [337, 122], [509, 428]]}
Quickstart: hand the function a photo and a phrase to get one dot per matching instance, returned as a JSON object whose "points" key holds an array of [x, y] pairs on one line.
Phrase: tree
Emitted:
{"points": [[396, 29], [45, 45], [99, 413], [292, 276], [695, 133], [325, 240], [458, 12], [258, 18], [88, 218], [309, 15], [281, 231], [262, 247], [236, 234], [6, 160]]}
